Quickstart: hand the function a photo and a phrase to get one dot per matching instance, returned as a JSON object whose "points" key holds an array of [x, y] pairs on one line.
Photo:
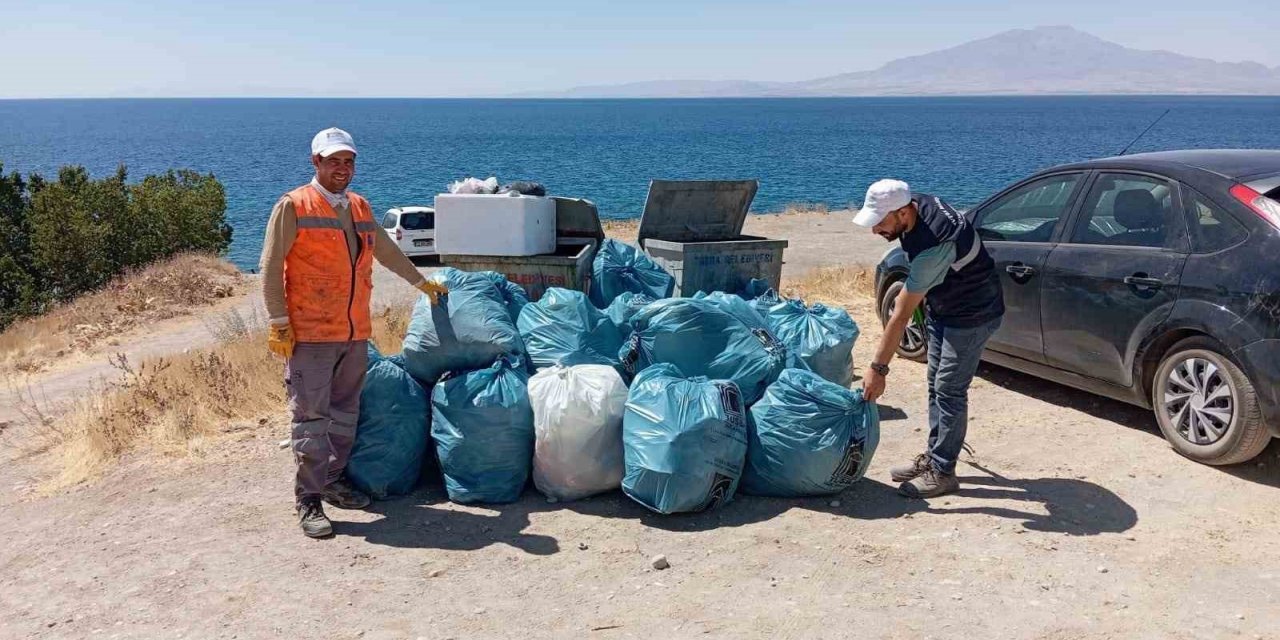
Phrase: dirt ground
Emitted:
{"points": [[1075, 521]]}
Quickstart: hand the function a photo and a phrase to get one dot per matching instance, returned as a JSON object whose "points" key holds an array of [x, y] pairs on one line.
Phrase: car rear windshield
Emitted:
{"points": [[418, 221]]}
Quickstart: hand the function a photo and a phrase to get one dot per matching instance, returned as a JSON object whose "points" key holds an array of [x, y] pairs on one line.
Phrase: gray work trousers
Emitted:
{"points": [[323, 381], [954, 355]]}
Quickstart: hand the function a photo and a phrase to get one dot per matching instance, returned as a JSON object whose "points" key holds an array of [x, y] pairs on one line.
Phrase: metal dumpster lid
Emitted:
{"points": [[578, 218], [696, 210]]}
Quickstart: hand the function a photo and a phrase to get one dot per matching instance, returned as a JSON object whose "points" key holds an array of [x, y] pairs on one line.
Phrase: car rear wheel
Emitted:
{"points": [[914, 344], [1206, 407]]}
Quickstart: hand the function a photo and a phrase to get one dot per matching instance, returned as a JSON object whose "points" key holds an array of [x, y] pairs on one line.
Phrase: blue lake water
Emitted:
{"points": [[802, 150]]}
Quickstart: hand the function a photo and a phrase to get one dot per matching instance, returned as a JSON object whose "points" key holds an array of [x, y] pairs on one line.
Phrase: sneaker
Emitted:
{"points": [[342, 495], [917, 467], [930, 484], [312, 519]]}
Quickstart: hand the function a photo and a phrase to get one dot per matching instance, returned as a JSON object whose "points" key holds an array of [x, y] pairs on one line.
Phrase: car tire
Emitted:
{"points": [[1195, 386], [914, 344]]}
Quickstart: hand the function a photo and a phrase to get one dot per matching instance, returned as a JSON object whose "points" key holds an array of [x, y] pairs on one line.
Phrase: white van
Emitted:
{"points": [[414, 229]]}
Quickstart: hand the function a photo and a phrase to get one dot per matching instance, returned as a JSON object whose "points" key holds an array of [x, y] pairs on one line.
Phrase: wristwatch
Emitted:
{"points": [[882, 369]]}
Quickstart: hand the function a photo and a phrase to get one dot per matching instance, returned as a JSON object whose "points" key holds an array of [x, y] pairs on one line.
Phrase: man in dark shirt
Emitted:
{"points": [[952, 273]]}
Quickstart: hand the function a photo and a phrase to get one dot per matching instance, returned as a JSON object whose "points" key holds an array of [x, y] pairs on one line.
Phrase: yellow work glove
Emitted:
{"points": [[280, 340], [433, 290]]}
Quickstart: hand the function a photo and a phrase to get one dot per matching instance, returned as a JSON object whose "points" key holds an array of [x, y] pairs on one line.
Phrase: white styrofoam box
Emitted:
{"points": [[495, 225]]}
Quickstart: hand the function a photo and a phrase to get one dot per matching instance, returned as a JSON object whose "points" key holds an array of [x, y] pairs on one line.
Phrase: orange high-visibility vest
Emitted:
{"points": [[327, 292]]}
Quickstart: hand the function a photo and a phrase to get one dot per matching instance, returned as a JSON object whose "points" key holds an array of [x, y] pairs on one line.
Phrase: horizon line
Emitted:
{"points": [[1082, 94]]}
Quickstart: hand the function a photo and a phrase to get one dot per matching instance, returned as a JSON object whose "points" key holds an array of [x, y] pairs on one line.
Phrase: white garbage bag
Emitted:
{"points": [[577, 422], [474, 185]]}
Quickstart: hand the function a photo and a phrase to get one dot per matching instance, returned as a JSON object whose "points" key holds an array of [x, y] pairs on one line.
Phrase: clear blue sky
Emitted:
{"points": [[56, 48]]}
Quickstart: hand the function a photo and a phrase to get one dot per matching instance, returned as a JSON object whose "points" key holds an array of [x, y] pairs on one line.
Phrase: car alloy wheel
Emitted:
{"points": [[1199, 401], [914, 341]]}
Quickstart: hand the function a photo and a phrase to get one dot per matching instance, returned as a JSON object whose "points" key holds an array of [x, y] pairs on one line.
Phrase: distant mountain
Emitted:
{"points": [[1044, 60]]}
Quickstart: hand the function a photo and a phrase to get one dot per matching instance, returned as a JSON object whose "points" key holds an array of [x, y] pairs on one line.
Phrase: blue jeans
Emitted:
{"points": [[953, 360]]}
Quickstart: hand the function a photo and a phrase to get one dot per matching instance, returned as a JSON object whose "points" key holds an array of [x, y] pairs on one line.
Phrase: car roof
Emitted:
{"points": [[1233, 164], [410, 210]]}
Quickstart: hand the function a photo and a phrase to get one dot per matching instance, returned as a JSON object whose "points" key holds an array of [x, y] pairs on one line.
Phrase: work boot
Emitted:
{"points": [[905, 472], [312, 519], [930, 484], [342, 495]]}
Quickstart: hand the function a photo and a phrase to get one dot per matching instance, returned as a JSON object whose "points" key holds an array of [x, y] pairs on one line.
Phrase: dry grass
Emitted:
{"points": [[624, 230], [166, 405], [844, 286], [175, 406], [171, 288]]}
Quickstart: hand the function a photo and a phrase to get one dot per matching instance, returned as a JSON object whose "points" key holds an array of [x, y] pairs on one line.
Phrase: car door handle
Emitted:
{"points": [[1143, 281], [1020, 270]]}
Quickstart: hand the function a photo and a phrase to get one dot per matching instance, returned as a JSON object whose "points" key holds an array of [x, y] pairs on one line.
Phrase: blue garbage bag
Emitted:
{"points": [[482, 425], [809, 437], [392, 434], [761, 296], [821, 336], [623, 307], [563, 327], [749, 315], [702, 339], [737, 307], [513, 295], [756, 288], [620, 267], [469, 329], [684, 441]]}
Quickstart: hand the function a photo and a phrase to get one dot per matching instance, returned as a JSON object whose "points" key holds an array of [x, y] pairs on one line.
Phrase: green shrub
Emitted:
{"points": [[62, 238]]}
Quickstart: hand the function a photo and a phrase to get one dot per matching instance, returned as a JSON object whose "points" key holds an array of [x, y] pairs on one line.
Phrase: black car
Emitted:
{"points": [[1152, 278]]}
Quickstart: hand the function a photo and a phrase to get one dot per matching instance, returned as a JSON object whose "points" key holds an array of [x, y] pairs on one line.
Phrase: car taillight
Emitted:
{"points": [[399, 235], [1265, 207]]}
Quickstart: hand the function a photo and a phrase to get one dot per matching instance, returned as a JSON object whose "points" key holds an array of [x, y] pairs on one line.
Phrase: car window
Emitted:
{"points": [[389, 221], [1212, 229], [418, 221], [1030, 212], [1129, 211]]}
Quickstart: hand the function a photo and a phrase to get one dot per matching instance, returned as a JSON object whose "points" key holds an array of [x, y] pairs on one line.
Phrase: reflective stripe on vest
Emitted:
{"points": [[326, 291], [974, 248]]}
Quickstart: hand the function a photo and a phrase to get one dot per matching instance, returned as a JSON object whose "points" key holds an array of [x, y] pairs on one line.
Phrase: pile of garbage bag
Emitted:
{"points": [[563, 327], [685, 441], [747, 388], [482, 424], [392, 430], [809, 437], [470, 328], [821, 336], [702, 339], [577, 422], [620, 267]]}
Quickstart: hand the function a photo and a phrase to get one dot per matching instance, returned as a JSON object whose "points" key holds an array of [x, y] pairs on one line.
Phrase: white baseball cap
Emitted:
{"points": [[331, 141], [883, 197]]}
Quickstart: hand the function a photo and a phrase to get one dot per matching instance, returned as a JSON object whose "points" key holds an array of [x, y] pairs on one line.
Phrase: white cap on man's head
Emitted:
{"points": [[331, 141], [883, 198]]}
